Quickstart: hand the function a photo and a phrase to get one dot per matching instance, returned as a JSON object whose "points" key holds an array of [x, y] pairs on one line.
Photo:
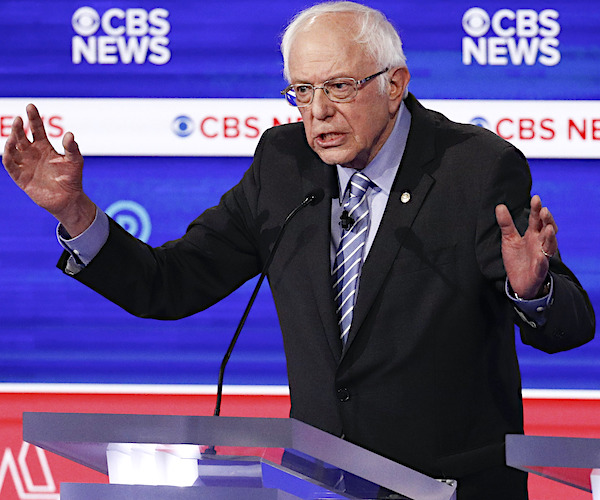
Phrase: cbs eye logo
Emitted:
{"points": [[85, 21], [480, 121], [476, 22], [132, 217], [182, 126]]}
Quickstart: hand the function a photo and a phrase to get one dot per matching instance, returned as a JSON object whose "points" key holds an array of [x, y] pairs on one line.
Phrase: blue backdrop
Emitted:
{"points": [[54, 330]]}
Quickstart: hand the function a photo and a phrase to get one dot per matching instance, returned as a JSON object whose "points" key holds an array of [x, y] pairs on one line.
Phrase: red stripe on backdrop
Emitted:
{"points": [[566, 418], [14, 473], [548, 417]]}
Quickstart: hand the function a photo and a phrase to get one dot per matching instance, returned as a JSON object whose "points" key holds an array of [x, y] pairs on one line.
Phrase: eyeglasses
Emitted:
{"points": [[336, 89]]}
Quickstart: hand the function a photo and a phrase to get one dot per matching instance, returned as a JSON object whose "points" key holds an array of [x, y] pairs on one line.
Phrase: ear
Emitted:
{"points": [[398, 82]]}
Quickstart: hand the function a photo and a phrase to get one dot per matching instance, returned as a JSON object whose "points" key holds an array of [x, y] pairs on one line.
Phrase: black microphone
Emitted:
{"points": [[346, 221], [311, 198]]}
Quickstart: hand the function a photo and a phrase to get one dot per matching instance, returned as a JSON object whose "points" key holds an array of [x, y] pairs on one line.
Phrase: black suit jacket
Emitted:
{"points": [[430, 376]]}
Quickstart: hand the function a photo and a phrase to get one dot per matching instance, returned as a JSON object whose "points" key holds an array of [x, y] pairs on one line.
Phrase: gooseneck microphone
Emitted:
{"points": [[312, 198]]}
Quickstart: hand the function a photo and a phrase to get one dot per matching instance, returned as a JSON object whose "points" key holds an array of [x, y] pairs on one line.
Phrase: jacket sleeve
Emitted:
{"points": [[216, 255], [570, 320]]}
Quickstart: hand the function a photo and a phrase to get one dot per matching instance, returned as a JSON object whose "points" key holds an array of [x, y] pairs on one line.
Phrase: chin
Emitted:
{"points": [[335, 157]]}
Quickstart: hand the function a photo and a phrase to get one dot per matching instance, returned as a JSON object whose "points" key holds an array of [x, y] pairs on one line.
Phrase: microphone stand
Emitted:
{"points": [[311, 198]]}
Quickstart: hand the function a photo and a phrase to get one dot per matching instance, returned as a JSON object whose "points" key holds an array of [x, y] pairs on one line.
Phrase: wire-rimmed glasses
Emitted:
{"points": [[336, 90]]}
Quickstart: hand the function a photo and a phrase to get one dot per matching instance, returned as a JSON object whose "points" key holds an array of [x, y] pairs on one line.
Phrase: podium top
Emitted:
{"points": [[566, 460], [85, 437]]}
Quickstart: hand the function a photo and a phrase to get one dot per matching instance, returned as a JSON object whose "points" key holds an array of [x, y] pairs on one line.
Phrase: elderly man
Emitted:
{"points": [[397, 291]]}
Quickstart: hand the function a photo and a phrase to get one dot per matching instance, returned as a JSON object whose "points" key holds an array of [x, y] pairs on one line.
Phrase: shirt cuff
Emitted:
{"points": [[84, 247], [533, 311]]}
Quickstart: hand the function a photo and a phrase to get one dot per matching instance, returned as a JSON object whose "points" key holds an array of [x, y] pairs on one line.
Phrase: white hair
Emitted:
{"points": [[380, 39]]}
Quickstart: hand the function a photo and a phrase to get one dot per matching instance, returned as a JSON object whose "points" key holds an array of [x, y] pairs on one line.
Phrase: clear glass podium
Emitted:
{"points": [[571, 461], [179, 457]]}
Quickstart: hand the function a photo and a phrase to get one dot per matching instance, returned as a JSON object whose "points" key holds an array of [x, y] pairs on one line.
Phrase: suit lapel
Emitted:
{"points": [[409, 192], [318, 175]]}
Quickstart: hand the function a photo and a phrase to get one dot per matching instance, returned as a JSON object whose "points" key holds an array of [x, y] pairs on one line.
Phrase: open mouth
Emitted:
{"points": [[329, 139]]}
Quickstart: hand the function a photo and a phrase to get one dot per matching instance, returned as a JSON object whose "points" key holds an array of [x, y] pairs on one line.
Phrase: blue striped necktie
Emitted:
{"points": [[348, 259]]}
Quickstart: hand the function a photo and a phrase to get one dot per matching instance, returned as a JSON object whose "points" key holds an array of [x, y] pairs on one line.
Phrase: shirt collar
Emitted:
{"points": [[383, 168]]}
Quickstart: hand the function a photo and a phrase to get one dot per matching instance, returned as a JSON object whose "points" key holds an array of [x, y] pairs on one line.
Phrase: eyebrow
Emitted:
{"points": [[332, 77]]}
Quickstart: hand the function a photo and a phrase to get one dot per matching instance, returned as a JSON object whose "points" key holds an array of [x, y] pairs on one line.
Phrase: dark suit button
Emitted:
{"points": [[343, 395]]}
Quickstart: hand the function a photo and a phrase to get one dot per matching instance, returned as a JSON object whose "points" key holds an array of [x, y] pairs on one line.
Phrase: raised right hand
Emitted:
{"points": [[53, 181]]}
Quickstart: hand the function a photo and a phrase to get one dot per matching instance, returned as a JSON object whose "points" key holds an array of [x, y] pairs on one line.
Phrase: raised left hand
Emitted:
{"points": [[526, 257]]}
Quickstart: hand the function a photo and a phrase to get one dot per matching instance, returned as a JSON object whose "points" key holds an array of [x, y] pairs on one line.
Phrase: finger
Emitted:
{"points": [[16, 136], [18, 133], [11, 159], [72, 152], [11, 154], [548, 219], [535, 222], [505, 221], [549, 241], [36, 124]]}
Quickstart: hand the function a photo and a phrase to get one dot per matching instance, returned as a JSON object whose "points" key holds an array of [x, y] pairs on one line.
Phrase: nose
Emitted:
{"points": [[321, 106]]}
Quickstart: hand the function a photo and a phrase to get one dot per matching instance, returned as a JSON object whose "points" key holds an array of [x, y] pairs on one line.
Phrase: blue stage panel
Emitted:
{"points": [[56, 330], [217, 49]]}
